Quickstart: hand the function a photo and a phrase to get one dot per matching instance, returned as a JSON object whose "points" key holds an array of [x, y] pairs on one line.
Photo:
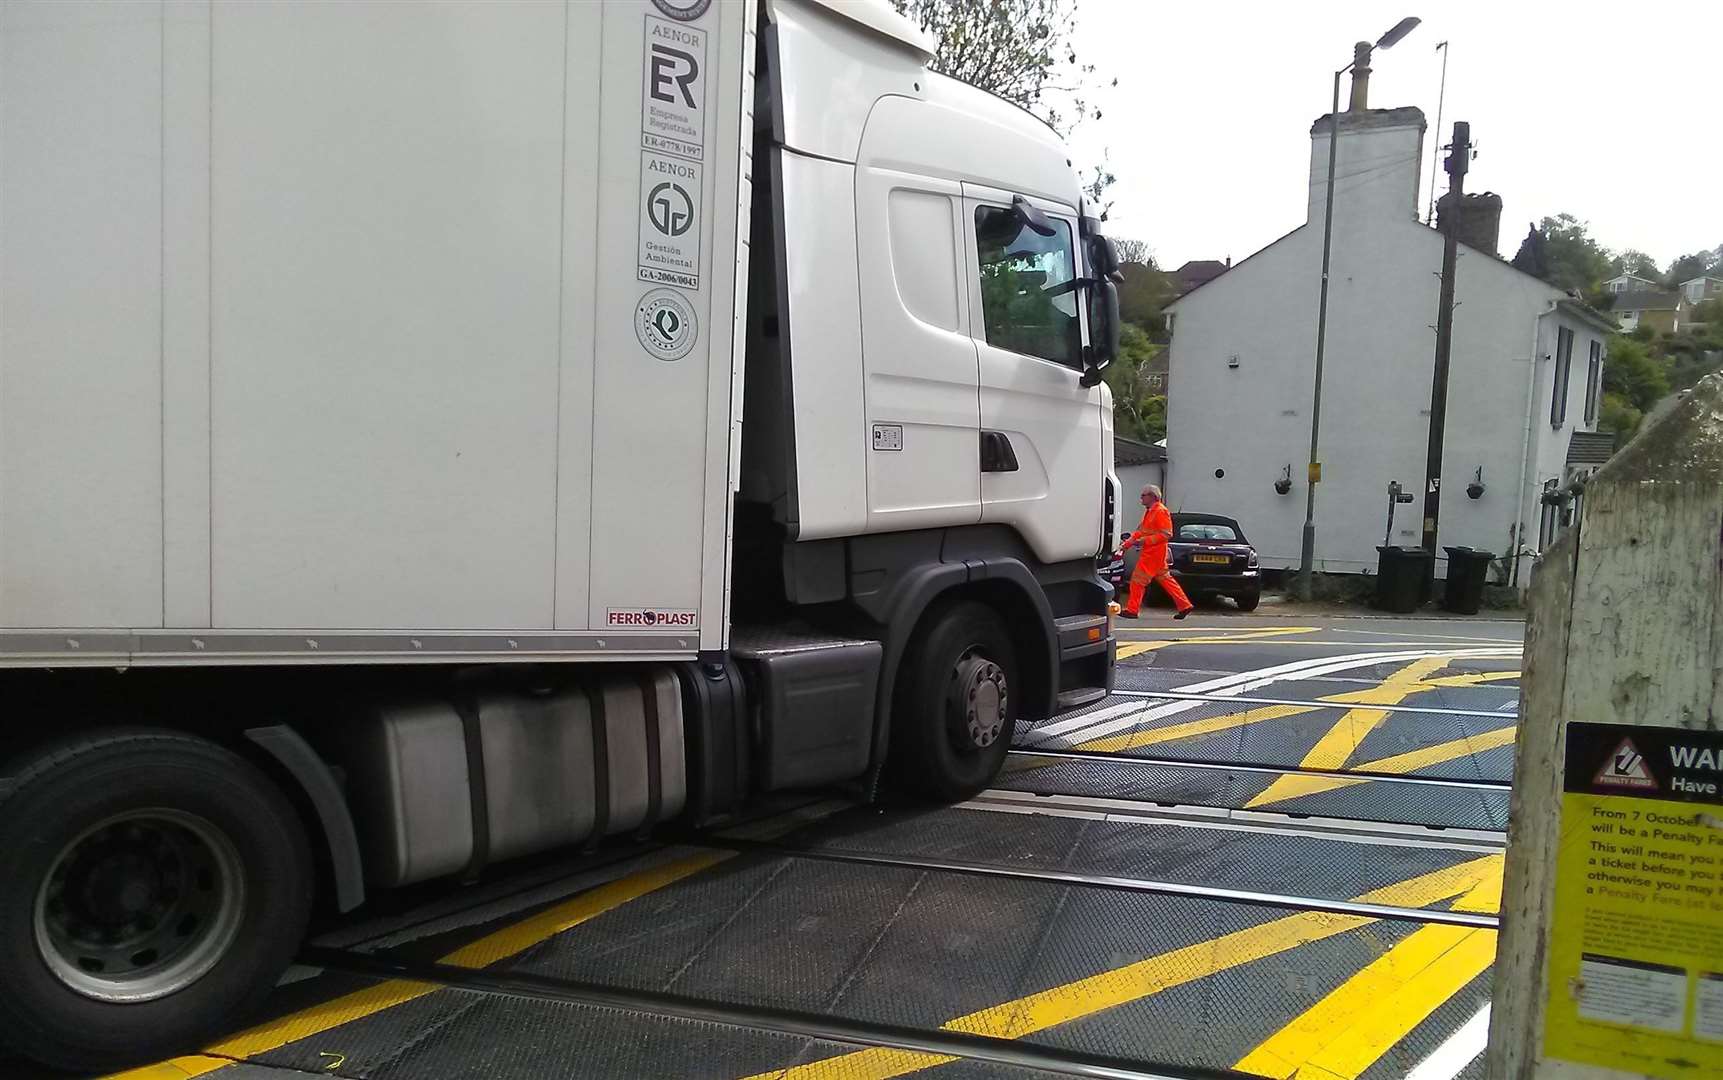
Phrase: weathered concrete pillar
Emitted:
{"points": [[1611, 952]]}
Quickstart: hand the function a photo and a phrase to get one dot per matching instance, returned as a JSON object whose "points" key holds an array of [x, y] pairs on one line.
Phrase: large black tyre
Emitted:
{"points": [[1247, 601], [156, 887], [955, 707]]}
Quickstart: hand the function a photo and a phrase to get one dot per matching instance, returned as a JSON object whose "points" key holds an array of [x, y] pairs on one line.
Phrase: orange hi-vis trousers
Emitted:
{"points": [[1154, 531], [1140, 578]]}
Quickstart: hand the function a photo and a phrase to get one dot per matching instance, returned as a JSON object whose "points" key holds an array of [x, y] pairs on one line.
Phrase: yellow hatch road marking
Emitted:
{"points": [[1352, 1027], [179, 1068], [1191, 729], [1473, 678], [504, 943], [1132, 648], [1441, 752], [1341, 741], [1194, 728], [1086, 997], [1411, 761]]}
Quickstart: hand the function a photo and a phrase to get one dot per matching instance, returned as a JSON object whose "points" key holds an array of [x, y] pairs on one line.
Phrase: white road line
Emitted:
{"points": [[1223, 682], [1078, 729], [1457, 1050]]}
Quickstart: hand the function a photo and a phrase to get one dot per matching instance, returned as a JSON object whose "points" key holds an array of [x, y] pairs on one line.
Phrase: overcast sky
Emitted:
{"points": [[1613, 113]]}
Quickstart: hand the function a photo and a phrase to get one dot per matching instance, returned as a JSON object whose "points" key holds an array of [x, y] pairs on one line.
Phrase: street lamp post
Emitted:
{"points": [[1360, 61]]}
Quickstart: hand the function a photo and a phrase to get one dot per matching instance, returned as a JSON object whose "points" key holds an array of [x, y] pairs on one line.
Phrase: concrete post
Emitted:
{"points": [[1611, 954]]}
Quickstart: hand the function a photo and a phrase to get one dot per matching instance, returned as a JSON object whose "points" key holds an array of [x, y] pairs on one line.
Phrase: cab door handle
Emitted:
{"points": [[996, 452]]}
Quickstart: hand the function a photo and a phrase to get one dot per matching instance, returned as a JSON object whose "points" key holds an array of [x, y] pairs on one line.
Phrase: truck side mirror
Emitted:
{"points": [[1104, 257], [1103, 330], [1026, 213]]}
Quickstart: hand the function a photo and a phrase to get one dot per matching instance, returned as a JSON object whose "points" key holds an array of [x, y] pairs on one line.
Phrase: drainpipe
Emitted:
{"points": [[1526, 443]]}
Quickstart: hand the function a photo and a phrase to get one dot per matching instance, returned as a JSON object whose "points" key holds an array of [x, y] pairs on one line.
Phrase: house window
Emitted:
{"points": [[1563, 368], [1155, 380], [1593, 381], [1028, 302]]}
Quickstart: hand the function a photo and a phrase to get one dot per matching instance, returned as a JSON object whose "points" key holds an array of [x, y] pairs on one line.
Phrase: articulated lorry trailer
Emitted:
{"points": [[432, 434]]}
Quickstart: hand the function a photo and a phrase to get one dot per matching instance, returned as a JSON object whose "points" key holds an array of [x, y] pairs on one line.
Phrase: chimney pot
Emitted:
{"points": [[1360, 77]]}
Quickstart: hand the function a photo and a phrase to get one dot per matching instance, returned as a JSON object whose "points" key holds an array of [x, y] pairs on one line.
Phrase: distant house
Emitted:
{"points": [[1526, 375], [1663, 310], [1700, 289], [1196, 273], [1629, 283]]}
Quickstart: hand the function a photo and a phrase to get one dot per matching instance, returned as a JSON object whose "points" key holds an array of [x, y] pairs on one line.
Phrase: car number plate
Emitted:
{"points": [[1221, 559]]}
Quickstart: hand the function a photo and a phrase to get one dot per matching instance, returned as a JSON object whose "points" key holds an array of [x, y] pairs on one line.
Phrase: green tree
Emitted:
{"points": [[1154, 418], [1618, 415], [1634, 261], [1139, 410], [1021, 50], [1710, 312], [1633, 374], [1572, 258], [1142, 296], [1691, 266]]}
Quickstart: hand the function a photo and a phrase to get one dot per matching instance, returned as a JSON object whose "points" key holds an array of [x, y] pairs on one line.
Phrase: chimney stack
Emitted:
{"points": [[1360, 77], [1479, 220]]}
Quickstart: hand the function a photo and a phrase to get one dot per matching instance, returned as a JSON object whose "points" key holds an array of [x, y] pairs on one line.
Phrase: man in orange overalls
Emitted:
{"points": [[1153, 535]]}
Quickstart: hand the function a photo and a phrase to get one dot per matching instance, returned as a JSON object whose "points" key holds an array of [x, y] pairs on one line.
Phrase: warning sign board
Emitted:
{"points": [[1636, 948]]}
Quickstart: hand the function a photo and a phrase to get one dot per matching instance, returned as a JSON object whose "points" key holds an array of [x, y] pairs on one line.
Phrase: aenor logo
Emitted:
{"points": [[652, 618], [683, 10]]}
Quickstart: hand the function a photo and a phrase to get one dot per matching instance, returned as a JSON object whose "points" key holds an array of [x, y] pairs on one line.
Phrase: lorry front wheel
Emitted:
{"points": [[157, 886], [956, 705]]}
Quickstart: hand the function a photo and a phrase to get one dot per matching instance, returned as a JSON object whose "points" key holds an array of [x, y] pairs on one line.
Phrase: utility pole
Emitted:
{"points": [[1441, 99], [1459, 155]]}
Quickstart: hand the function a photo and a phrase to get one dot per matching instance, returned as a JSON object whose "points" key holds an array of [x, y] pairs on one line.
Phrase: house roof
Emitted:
{"points": [[1585, 313], [1645, 300], [1574, 306], [1127, 452], [1703, 277], [1196, 273], [1180, 299], [1634, 277], [1590, 447]]}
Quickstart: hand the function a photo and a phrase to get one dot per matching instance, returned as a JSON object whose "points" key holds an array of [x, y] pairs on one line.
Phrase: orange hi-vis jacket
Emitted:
{"points": [[1153, 561]]}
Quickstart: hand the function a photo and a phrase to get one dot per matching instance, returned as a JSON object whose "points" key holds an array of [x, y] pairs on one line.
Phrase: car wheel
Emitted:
{"points": [[955, 708], [1248, 601]]}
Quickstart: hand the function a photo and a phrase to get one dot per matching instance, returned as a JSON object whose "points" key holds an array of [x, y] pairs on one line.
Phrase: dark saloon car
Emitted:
{"points": [[1210, 557]]}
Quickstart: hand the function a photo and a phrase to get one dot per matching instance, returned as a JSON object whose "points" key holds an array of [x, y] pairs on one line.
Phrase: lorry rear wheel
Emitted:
{"points": [[955, 707], [158, 886]]}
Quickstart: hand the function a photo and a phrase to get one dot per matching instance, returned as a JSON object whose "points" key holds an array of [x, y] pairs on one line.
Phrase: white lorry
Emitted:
{"points": [[435, 433]]}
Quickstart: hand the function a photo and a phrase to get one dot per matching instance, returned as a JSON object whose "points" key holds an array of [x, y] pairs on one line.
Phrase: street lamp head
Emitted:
{"points": [[1401, 29]]}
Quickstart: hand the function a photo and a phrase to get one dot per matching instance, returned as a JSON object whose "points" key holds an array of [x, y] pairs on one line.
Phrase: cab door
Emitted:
{"points": [[922, 382], [1041, 430]]}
